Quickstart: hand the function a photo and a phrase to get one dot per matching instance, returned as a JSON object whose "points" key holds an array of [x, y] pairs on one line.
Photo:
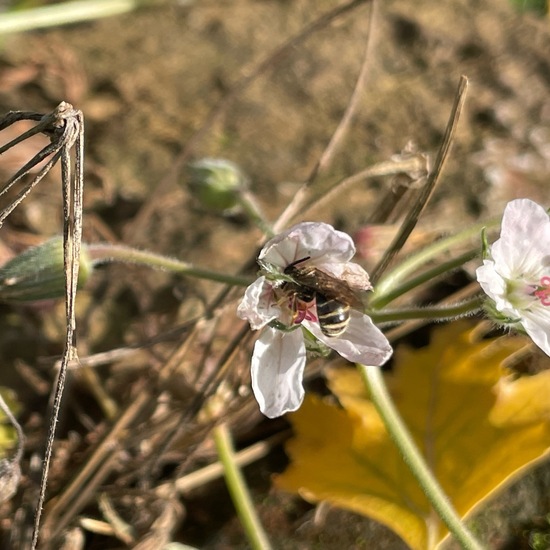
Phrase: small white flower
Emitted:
{"points": [[517, 277], [279, 356]]}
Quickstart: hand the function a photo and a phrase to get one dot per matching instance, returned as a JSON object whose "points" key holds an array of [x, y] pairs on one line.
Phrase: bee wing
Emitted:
{"points": [[332, 286], [352, 274], [350, 296], [356, 277]]}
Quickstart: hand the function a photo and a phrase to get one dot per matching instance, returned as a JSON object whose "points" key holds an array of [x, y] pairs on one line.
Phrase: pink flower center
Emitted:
{"points": [[302, 310], [543, 291]]}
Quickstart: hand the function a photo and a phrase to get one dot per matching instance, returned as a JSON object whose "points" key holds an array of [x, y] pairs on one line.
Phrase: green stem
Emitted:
{"points": [[105, 253], [379, 301], [238, 490], [411, 264], [433, 313], [373, 379], [252, 209], [64, 13]]}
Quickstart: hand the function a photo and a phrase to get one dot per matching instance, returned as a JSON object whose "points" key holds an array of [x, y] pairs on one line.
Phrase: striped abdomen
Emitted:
{"points": [[333, 315]]}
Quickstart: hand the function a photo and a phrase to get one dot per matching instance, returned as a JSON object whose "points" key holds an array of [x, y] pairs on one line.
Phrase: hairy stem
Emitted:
{"points": [[410, 265], [239, 492], [380, 301], [106, 253], [428, 313], [373, 379]]}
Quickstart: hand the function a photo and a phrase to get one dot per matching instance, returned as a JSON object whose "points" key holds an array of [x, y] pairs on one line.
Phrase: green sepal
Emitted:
{"points": [[314, 346], [485, 247], [273, 272], [216, 183], [38, 273], [499, 318], [282, 327]]}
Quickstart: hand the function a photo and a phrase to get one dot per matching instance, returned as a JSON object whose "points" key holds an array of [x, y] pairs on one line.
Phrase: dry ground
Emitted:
{"points": [[147, 83]]}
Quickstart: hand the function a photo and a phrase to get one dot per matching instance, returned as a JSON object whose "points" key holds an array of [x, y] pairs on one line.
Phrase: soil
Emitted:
{"points": [[176, 82]]}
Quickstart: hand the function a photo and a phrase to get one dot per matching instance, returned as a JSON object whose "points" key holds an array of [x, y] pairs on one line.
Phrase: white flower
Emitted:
{"points": [[517, 277], [279, 356]]}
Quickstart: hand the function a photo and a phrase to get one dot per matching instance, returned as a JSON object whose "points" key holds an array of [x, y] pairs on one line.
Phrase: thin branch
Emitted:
{"points": [[276, 56], [414, 213], [22, 195], [297, 203], [64, 126], [414, 165]]}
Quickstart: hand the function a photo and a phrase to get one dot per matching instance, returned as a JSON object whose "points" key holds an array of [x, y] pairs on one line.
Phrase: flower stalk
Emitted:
{"points": [[374, 381], [408, 268], [427, 276], [252, 209], [439, 313], [107, 253], [238, 490]]}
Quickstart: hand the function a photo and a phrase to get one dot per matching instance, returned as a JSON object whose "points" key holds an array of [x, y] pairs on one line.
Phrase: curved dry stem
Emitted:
{"points": [[134, 230], [422, 200], [67, 127], [299, 200]]}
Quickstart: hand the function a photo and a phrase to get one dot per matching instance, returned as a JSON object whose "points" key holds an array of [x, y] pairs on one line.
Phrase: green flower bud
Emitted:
{"points": [[38, 273], [216, 183]]}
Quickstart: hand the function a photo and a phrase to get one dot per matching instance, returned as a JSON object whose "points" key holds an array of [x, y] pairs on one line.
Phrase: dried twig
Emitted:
{"points": [[297, 203], [413, 166], [422, 199], [65, 128], [249, 76]]}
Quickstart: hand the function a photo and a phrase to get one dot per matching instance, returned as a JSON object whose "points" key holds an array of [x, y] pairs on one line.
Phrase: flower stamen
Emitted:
{"points": [[302, 307], [543, 291]]}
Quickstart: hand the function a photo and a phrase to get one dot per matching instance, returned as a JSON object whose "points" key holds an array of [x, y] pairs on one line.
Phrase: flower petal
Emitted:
{"points": [[258, 306], [495, 287], [520, 263], [362, 342], [277, 369], [537, 326], [524, 244], [315, 240]]}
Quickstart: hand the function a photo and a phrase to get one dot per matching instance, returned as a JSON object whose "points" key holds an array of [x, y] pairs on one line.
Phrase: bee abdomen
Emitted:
{"points": [[333, 316]]}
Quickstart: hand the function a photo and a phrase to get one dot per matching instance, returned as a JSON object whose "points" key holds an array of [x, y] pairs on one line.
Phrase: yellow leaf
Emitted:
{"points": [[328, 465], [522, 401], [8, 436], [445, 393]]}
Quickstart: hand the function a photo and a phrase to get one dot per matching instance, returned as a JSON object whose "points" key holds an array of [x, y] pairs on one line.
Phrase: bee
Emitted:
{"points": [[334, 297]]}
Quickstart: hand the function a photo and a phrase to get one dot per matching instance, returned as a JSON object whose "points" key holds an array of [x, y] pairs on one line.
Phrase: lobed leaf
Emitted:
{"points": [[448, 395]]}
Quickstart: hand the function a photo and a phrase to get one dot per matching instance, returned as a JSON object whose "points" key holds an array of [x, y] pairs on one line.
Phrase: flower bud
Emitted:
{"points": [[38, 273], [216, 183]]}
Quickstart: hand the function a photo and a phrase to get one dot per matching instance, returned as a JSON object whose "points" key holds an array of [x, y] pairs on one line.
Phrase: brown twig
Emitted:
{"points": [[239, 87], [423, 197], [65, 128], [297, 203], [412, 165]]}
